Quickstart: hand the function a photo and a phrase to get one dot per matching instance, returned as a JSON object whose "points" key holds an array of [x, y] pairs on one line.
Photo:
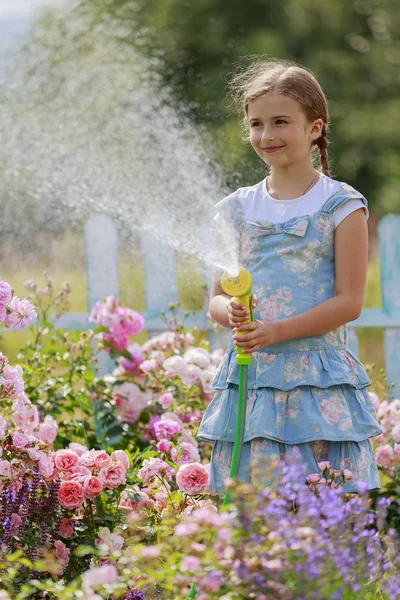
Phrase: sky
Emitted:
{"points": [[16, 15]]}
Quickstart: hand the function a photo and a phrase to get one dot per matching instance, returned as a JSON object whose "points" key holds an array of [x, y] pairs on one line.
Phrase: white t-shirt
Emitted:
{"points": [[258, 205]]}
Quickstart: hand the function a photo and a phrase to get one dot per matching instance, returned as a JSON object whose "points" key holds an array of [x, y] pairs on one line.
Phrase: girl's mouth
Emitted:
{"points": [[272, 149]]}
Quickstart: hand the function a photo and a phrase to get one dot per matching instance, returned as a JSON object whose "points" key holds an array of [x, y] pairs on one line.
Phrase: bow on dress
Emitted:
{"points": [[294, 226]]}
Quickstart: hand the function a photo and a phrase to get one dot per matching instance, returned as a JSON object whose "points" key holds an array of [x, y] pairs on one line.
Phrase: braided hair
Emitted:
{"points": [[264, 76]]}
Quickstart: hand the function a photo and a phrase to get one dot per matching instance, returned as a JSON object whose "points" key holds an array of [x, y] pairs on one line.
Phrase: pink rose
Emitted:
{"points": [[46, 466], [190, 453], [5, 468], [62, 553], [12, 380], [47, 430], [153, 467], [101, 459], [114, 475], [166, 399], [65, 528], [5, 293], [93, 487], [65, 460], [79, 474], [192, 478], [131, 321], [164, 446], [385, 456], [190, 563], [23, 312], [314, 478], [324, 465], [118, 339], [71, 494], [78, 448], [167, 429], [126, 504], [397, 451], [122, 456], [99, 576], [20, 440]]}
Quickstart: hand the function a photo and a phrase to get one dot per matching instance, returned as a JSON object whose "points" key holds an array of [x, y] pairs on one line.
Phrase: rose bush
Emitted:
{"points": [[104, 488]]}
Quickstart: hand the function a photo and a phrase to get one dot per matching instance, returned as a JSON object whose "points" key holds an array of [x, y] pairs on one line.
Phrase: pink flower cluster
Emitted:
{"points": [[121, 322], [196, 365], [388, 413], [327, 476], [13, 311], [85, 473], [130, 401]]}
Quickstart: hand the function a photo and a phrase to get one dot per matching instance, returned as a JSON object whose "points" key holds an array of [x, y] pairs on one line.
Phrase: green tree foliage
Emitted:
{"points": [[352, 47]]}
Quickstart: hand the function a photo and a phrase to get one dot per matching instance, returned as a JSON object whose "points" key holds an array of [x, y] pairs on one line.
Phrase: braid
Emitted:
{"points": [[322, 144]]}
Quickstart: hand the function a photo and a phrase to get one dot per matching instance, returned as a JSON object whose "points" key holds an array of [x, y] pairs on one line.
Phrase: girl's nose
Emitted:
{"points": [[267, 135]]}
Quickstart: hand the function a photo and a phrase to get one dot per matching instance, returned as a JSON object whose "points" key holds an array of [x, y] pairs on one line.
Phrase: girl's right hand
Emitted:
{"points": [[237, 313]]}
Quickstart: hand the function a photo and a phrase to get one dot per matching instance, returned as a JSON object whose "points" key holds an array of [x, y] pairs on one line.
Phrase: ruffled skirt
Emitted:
{"points": [[316, 400]]}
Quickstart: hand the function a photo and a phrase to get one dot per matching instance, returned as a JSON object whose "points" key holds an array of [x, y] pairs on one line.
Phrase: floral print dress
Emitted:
{"points": [[309, 392]]}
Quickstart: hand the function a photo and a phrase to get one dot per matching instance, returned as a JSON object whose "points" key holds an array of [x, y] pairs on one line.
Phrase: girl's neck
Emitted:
{"points": [[291, 181]]}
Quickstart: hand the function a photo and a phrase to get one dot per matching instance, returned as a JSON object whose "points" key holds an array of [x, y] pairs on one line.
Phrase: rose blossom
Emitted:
{"points": [[62, 553], [385, 456], [65, 528], [190, 453], [112, 540], [93, 486], [166, 399], [126, 504], [190, 563], [5, 293], [20, 440], [324, 465], [12, 380], [46, 466], [167, 429], [79, 474], [113, 475], [23, 313], [122, 456], [47, 430], [101, 459], [65, 460], [152, 467], [71, 494], [164, 446], [99, 576], [197, 356], [192, 478]]}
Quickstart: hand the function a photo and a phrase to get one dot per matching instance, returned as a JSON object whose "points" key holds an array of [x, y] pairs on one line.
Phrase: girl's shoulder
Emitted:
{"points": [[231, 205], [340, 192]]}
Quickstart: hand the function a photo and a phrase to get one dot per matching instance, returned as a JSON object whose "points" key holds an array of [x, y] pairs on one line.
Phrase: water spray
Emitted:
{"points": [[240, 288]]}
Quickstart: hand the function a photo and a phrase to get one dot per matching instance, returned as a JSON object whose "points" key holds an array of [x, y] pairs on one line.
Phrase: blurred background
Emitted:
{"points": [[98, 96]]}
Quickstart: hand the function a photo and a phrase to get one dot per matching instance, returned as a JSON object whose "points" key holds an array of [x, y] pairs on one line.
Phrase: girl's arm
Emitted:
{"points": [[351, 262]]}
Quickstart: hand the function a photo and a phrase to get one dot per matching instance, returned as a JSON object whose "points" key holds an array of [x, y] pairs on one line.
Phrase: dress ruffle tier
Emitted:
{"points": [[293, 397]]}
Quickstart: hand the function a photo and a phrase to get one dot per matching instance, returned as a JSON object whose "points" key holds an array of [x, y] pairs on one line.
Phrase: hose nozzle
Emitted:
{"points": [[240, 287]]}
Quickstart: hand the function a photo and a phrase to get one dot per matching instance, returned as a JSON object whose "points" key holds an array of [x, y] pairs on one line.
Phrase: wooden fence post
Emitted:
{"points": [[101, 242], [389, 250]]}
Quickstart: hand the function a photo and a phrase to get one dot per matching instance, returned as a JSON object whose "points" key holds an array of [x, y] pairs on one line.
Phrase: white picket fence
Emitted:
{"points": [[101, 241]]}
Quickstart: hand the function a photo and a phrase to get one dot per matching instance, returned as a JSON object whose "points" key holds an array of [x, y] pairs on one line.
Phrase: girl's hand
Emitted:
{"points": [[258, 334], [237, 313]]}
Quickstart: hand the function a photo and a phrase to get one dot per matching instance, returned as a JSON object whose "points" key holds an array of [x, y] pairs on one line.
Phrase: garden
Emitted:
{"points": [[104, 487]]}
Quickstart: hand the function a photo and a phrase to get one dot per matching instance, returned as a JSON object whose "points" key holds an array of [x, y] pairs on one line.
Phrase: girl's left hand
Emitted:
{"points": [[259, 334]]}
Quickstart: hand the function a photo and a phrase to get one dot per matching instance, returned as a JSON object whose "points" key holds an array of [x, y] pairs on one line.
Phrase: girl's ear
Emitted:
{"points": [[316, 129]]}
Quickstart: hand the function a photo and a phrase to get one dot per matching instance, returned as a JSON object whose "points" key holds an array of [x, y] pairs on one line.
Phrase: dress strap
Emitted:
{"points": [[341, 196]]}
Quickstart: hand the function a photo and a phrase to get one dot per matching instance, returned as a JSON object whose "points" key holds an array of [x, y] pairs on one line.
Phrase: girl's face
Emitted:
{"points": [[279, 131]]}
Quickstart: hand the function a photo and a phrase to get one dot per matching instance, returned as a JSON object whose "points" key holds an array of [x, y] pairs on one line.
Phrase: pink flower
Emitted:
{"points": [[217, 355], [150, 552], [375, 399], [397, 451], [23, 313], [190, 453], [5, 293], [190, 563], [65, 528], [112, 540], [3, 425], [347, 474], [153, 467], [113, 475], [167, 429], [99, 576], [5, 468], [65, 460], [166, 399], [186, 529], [101, 459], [93, 486], [131, 321], [77, 448], [324, 465], [132, 365], [270, 309], [130, 400], [71, 494], [314, 478], [12, 380], [20, 440], [118, 339], [148, 365], [62, 553], [126, 504], [47, 430], [191, 375], [197, 356], [192, 478], [164, 446], [385, 456], [46, 466], [122, 456]]}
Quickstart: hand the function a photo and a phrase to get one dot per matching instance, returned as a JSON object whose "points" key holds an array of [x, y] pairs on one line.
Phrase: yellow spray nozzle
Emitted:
{"points": [[240, 288]]}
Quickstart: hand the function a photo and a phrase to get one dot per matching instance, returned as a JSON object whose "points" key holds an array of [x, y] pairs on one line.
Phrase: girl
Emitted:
{"points": [[303, 237]]}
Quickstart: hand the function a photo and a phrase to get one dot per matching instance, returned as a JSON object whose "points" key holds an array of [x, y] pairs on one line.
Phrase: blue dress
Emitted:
{"points": [[309, 392]]}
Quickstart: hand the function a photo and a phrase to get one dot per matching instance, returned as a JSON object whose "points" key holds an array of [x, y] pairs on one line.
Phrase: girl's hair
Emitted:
{"points": [[265, 76]]}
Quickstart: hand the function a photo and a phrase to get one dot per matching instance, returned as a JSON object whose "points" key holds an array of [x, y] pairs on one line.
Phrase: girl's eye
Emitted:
{"points": [[255, 123], [281, 121]]}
